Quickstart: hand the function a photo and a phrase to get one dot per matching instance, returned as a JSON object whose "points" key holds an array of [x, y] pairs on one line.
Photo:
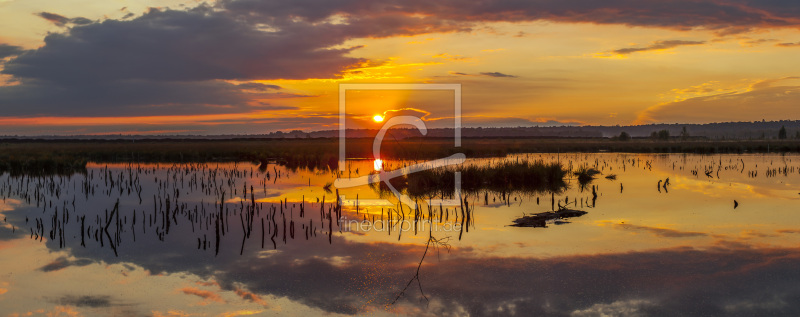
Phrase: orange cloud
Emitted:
{"points": [[250, 296], [207, 296], [764, 99], [241, 313], [450, 57], [171, 313], [63, 311]]}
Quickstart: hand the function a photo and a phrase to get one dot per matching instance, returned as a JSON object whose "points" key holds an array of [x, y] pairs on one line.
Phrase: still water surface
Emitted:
{"points": [[239, 239]]}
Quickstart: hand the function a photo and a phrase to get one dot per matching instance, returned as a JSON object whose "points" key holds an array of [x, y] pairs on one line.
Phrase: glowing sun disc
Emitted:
{"points": [[377, 118]]}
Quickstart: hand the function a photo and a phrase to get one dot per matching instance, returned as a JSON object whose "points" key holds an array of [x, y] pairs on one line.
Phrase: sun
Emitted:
{"points": [[377, 118]]}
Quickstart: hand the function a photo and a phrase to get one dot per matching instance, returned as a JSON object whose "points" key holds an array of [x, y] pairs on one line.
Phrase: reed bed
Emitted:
{"points": [[322, 153], [504, 177]]}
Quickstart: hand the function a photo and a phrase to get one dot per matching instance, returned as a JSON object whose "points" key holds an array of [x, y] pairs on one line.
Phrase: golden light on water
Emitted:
{"points": [[377, 118], [378, 164]]}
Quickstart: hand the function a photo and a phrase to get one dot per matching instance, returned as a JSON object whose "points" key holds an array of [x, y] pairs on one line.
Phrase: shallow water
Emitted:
{"points": [[640, 249]]}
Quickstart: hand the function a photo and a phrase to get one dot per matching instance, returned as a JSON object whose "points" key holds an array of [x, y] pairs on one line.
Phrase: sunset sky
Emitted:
{"points": [[251, 66]]}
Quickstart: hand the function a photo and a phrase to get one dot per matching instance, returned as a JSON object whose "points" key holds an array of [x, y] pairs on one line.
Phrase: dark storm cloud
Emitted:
{"points": [[657, 45], [727, 16], [164, 62], [165, 45], [194, 45], [10, 50], [124, 98], [61, 20]]}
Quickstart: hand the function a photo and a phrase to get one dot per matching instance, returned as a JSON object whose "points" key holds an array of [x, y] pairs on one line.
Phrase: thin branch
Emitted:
{"points": [[437, 243]]}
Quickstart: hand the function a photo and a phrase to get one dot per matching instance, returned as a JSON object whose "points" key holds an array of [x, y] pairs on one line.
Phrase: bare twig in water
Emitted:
{"points": [[436, 243]]}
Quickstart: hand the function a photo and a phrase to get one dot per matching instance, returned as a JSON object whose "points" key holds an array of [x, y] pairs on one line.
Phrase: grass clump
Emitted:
{"points": [[585, 174]]}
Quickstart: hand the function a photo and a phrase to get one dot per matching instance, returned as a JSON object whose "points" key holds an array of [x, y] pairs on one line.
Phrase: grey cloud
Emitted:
{"points": [[86, 301], [61, 20], [497, 74], [661, 232], [258, 86], [10, 50], [487, 74], [164, 62], [726, 17], [756, 42], [788, 44], [80, 21], [657, 45], [62, 263], [56, 19], [91, 301], [200, 44], [123, 98]]}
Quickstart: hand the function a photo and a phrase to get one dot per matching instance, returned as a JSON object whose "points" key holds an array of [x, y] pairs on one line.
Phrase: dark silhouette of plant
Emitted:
{"points": [[684, 133], [660, 135]]}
